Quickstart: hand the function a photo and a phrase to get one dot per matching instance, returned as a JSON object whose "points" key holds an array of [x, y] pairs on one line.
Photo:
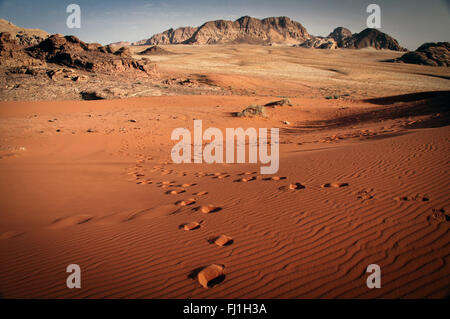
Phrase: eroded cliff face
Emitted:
{"points": [[246, 29], [171, 36]]}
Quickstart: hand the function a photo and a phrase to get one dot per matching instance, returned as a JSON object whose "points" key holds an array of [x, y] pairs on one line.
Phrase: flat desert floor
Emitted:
{"points": [[363, 179]]}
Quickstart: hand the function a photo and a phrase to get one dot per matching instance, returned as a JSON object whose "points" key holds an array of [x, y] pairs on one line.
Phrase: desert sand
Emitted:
{"points": [[363, 179]]}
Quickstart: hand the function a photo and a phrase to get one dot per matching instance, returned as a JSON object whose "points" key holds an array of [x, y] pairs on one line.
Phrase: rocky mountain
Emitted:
{"points": [[120, 44], [155, 50], [273, 30], [171, 36], [12, 53], [319, 43], [279, 30], [372, 38], [340, 35], [26, 37], [72, 52], [434, 54], [343, 38]]}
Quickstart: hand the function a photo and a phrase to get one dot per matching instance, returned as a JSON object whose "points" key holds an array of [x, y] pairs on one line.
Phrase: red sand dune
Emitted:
{"points": [[94, 193]]}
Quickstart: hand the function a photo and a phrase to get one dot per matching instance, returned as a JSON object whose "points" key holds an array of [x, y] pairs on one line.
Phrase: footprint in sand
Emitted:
{"points": [[202, 193], [149, 213], [222, 240], [246, 179], [175, 191], [208, 276], [416, 198], [10, 234], [275, 178], [335, 185], [165, 184], [70, 221], [186, 202], [247, 173], [296, 186], [187, 185], [438, 216], [146, 182], [293, 186], [364, 194], [190, 226], [221, 176], [208, 209]]}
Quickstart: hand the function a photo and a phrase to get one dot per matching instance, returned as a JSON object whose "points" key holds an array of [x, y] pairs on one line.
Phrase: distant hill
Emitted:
{"points": [[155, 50], [268, 31], [279, 30], [120, 44], [343, 38], [372, 38], [170, 36], [434, 54]]}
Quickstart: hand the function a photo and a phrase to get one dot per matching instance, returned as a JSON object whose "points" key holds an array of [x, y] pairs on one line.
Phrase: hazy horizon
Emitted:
{"points": [[410, 22]]}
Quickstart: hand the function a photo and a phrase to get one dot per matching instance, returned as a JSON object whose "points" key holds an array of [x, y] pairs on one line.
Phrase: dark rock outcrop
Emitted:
{"points": [[319, 43], [72, 52], [434, 54], [171, 36], [372, 38], [155, 50], [24, 37], [12, 53], [341, 36]]}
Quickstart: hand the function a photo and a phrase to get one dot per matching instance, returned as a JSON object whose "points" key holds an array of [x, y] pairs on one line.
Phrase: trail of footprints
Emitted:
{"points": [[210, 275]]}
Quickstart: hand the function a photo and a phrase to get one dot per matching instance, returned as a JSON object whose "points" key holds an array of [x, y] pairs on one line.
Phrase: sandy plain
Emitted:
{"points": [[363, 179]]}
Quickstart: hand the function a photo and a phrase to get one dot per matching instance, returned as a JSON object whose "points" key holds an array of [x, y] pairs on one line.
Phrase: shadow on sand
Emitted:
{"points": [[435, 103]]}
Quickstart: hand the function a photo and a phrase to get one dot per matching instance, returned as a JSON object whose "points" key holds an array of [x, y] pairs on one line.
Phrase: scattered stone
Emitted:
{"points": [[279, 103], [92, 95], [252, 110]]}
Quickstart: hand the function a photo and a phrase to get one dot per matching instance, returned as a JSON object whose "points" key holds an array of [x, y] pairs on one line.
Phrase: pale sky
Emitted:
{"points": [[411, 22]]}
